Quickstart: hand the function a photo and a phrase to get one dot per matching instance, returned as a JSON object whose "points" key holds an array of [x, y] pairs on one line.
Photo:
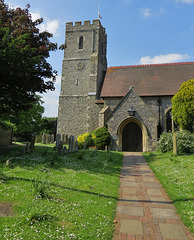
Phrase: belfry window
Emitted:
{"points": [[81, 42]]}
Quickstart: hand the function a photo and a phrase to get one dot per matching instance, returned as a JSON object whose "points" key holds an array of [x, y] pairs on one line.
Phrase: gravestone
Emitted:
{"points": [[58, 139], [52, 138], [60, 148], [76, 145], [69, 141], [66, 139], [27, 149], [32, 142], [84, 144], [44, 138], [48, 138], [63, 138], [71, 144], [65, 149]]}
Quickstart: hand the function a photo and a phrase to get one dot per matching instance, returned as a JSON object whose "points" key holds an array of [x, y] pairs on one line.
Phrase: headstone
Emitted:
{"points": [[63, 138], [64, 149], [58, 139], [44, 138], [69, 141], [71, 144], [66, 139], [52, 138], [84, 144], [60, 148], [106, 148], [76, 145], [32, 142], [48, 138], [27, 149]]}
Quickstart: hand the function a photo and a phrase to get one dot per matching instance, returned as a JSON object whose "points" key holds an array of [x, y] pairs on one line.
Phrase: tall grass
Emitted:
{"points": [[176, 175], [59, 197]]}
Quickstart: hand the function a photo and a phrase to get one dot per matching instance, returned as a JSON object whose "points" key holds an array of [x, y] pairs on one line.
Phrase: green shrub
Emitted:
{"points": [[102, 138], [185, 142], [98, 138], [90, 141], [165, 143], [81, 139]]}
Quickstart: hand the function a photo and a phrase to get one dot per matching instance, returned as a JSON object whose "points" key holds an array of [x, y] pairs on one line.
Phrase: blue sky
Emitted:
{"points": [[139, 31]]}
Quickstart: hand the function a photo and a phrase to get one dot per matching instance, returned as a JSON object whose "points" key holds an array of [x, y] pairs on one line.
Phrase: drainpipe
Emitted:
{"points": [[159, 113]]}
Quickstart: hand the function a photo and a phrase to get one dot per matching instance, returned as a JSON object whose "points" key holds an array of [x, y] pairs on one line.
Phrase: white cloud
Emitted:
{"points": [[145, 12], [185, 1], [51, 100], [169, 58], [13, 7], [58, 79], [51, 26], [35, 16]]}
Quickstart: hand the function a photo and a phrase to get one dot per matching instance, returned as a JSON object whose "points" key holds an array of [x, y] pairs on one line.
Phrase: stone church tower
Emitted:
{"points": [[83, 70]]}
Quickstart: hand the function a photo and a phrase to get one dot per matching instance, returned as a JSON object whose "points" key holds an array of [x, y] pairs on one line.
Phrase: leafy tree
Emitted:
{"points": [[49, 125], [183, 105], [23, 54], [29, 123]]}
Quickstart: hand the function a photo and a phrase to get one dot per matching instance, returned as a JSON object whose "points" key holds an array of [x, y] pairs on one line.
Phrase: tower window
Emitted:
{"points": [[81, 42]]}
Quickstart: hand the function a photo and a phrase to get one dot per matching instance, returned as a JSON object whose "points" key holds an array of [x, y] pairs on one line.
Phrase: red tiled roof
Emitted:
{"points": [[147, 80]]}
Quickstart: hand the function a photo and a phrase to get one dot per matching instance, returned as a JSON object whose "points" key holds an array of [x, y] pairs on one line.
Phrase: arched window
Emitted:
{"points": [[81, 42], [169, 121]]}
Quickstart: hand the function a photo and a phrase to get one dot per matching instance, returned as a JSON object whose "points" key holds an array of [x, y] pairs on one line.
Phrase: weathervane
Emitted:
{"points": [[99, 17]]}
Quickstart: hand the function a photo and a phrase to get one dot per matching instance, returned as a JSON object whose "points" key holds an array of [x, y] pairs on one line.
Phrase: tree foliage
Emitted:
{"points": [[29, 123], [49, 125], [23, 54], [183, 105]]}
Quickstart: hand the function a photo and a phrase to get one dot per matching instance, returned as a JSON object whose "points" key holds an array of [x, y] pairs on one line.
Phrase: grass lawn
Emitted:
{"points": [[176, 174], [47, 196]]}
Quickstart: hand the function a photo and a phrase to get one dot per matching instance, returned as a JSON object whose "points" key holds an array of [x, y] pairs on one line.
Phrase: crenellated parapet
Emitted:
{"points": [[86, 25]]}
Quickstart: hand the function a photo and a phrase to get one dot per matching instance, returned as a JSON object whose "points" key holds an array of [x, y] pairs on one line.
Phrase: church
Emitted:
{"points": [[133, 102]]}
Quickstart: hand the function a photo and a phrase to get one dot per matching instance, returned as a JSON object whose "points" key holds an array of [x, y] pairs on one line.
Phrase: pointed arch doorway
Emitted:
{"points": [[132, 138]]}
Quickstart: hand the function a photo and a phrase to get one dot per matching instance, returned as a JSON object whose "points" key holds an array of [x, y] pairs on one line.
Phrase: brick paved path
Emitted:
{"points": [[144, 211]]}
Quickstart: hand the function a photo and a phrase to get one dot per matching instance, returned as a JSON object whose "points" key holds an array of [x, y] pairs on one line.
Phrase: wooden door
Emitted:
{"points": [[132, 138]]}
